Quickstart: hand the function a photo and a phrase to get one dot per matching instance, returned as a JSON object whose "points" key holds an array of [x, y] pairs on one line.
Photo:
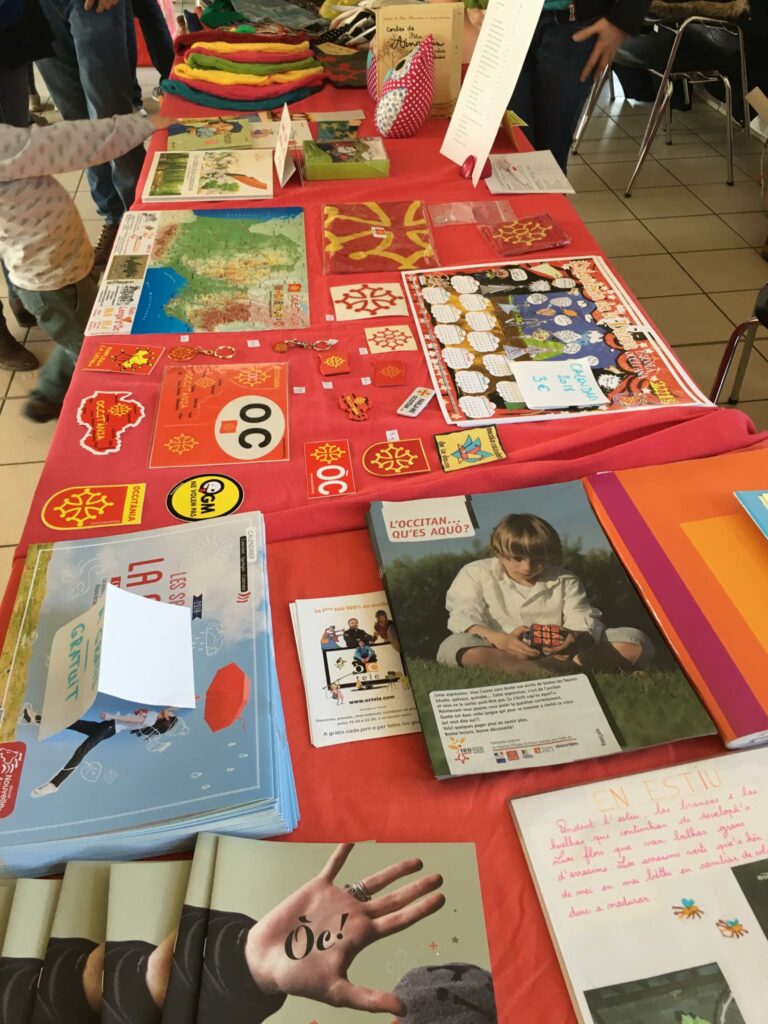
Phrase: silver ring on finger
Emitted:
{"points": [[359, 890]]}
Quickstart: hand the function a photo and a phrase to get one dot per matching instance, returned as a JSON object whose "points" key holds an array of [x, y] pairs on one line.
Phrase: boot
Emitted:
{"points": [[13, 356], [40, 411], [20, 311], [103, 248]]}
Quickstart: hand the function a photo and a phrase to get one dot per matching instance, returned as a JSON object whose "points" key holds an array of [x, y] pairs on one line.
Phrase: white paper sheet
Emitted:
{"points": [[558, 384], [493, 72], [527, 172], [284, 165]]}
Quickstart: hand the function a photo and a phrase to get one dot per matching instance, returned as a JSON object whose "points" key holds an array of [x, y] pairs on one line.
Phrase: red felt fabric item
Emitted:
{"points": [[253, 92], [387, 789], [183, 41]]}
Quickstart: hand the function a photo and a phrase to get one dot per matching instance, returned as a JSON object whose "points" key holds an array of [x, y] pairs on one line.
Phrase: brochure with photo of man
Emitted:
{"points": [[355, 684], [655, 890], [522, 636]]}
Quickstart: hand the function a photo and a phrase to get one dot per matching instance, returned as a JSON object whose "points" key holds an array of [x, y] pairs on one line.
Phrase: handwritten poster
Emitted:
{"points": [[655, 888]]}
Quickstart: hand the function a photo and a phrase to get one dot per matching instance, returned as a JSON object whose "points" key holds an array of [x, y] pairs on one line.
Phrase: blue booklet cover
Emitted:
{"points": [[144, 785], [756, 504]]}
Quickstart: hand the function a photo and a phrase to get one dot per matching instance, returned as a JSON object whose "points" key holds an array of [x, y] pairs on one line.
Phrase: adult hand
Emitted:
{"points": [[608, 38], [99, 5], [160, 121], [305, 946]]}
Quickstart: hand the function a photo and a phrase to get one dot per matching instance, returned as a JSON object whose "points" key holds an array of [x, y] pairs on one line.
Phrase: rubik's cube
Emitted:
{"points": [[541, 636]]}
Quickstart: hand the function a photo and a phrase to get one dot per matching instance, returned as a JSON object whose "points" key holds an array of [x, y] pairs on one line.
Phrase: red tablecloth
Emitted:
{"points": [[384, 789]]}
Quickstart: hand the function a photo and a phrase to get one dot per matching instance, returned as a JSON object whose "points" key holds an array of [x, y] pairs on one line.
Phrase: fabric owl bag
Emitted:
{"points": [[406, 95]]}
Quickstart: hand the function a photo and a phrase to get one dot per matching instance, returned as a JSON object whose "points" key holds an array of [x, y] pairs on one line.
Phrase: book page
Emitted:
{"points": [[656, 883]]}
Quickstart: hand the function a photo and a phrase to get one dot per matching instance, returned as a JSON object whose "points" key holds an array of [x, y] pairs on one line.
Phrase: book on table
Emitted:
{"points": [[125, 780], [558, 662], [655, 890], [701, 565], [212, 175]]}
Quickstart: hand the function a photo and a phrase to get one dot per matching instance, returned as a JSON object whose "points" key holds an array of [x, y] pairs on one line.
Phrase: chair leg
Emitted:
{"points": [[727, 359], [611, 89], [728, 94], [746, 352], [655, 120], [744, 85], [668, 125], [589, 108]]}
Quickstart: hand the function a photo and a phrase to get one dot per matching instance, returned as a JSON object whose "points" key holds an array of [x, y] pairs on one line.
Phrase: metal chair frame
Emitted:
{"points": [[746, 332], [661, 108]]}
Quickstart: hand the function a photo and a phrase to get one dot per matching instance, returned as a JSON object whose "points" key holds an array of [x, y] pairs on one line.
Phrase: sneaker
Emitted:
{"points": [[40, 411], [45, 790], [13, 355], [23, 317], [103, 248], [157, 92]]}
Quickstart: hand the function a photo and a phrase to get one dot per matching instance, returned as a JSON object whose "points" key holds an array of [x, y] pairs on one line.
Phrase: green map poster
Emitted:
{"points": [[193, 271]]}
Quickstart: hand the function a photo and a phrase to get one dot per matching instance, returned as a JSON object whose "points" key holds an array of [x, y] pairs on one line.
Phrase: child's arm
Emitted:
{"points": [[71, 145], [468, 613], [578, 614]]}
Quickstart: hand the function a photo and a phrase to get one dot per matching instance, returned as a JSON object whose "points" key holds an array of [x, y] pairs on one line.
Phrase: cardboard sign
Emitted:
{"points": [[328, 468], [94, 506], [221, 415], [125, 646], [284, 165]]}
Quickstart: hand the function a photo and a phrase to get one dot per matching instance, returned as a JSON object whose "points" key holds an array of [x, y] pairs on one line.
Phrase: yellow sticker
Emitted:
{"points": [[207, 496], [462, 449]]}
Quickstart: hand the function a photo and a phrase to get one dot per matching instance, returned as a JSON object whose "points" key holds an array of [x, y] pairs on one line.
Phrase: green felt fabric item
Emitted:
{"points": [[220, 12], [176, 88], [237, 67]]}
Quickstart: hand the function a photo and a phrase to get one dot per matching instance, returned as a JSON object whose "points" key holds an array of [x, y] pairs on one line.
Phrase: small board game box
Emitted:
{"points": [[345, 158]]}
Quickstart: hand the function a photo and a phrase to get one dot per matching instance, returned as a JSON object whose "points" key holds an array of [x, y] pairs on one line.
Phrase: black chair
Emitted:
{"points": [[691, 52]]}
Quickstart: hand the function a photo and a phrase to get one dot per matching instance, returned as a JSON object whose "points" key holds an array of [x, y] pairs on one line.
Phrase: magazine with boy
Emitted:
{"points": [[83, 791], [69, 991], [522, 635], [194, 133], [180, 1006], [355, 684], [215, 174], [302, 932], [655, 890], [145, 903], [23, 949]]}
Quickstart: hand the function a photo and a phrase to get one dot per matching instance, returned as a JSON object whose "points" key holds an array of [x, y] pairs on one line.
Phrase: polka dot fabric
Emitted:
{"points": [[406, 95], [370, 76]]}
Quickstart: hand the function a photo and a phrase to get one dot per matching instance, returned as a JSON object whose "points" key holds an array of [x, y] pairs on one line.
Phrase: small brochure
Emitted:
{"points": [[527, 173], [355, 684], [215, 174], [193, 133]]}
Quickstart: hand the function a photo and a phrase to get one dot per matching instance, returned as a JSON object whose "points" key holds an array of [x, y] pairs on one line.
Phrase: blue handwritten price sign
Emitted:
{"points": [[559, 384]]}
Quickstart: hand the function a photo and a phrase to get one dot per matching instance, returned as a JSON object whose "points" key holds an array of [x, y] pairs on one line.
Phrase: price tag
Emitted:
{"points": [[253, 343], [393, 435], [299, 390], [328, 385]]}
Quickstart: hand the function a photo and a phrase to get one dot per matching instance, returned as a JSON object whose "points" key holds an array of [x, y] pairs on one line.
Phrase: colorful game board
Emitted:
{"points": [[187, 271], [372, 237], [221, 415], [477, 322]]}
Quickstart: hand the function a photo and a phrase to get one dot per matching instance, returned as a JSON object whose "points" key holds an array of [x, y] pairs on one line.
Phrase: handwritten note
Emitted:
{"points": [[558, 384], [649, 873], [493, 72]]}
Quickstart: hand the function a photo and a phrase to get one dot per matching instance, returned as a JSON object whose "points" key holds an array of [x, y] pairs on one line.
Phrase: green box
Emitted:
{"points": [[345, 158]]}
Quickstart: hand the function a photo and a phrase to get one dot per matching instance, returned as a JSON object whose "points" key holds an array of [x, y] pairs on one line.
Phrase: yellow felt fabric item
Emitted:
{"points": [[187, 74], [298, 49]]}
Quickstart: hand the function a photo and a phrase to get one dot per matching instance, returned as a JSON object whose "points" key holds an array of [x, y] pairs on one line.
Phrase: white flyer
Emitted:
{"points": [[488, 85], [527, 173], [355, 684], [558, 384]]}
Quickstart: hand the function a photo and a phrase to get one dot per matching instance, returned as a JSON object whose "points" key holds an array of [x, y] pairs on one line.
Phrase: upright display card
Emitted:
{"points": [[221, 415], [655, 890], [181, 271], [355, 684], [479, 323]]}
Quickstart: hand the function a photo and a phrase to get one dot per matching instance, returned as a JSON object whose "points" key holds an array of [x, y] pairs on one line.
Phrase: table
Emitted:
{"points": [[384, 789]]}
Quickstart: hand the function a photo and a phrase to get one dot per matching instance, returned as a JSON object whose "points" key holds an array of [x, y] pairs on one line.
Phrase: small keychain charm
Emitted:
{"points": [[183, 354], [321, 345]]}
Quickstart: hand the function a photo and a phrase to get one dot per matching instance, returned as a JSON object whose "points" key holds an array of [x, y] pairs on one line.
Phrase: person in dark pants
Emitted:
{"points": [[572, 42], [157, 36], [24, 37]]}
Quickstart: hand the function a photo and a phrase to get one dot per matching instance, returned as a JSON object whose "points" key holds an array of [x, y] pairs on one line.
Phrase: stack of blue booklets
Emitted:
{"points": [[128, 781]]}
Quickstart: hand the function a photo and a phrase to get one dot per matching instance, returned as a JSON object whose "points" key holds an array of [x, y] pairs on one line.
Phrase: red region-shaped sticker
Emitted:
{"points": [[105, 415]]}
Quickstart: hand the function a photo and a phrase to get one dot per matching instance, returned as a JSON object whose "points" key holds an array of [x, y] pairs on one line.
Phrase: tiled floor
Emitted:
{"points": [[685, 242]]}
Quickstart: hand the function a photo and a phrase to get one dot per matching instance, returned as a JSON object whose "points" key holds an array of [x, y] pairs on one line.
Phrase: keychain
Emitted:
{"points": [[321, 345], [182, 354]]}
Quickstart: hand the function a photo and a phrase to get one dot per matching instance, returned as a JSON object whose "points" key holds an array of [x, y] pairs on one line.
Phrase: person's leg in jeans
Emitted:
{"points": [[95, 733], [522, 102], [63, 314], [133, 58], [91, 75], [156, 35]]}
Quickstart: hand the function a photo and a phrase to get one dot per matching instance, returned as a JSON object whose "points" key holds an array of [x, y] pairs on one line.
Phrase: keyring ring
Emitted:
{"points": [[322, 345], [225, 352], [359, 890]]}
